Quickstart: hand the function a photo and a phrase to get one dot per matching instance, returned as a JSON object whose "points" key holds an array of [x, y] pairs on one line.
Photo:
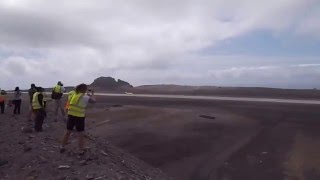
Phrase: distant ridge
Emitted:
{"points": [[111, 85]]}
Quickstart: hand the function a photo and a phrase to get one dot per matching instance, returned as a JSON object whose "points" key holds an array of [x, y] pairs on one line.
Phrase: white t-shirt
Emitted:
{"points": [[84, 101], [17, 95]]}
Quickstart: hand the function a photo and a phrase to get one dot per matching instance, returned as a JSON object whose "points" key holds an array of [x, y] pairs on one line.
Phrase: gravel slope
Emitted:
{"points": [[31, 155]]}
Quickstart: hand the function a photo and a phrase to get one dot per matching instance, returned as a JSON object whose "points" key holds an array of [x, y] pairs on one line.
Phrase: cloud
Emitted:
{"points": [[76, 41], [310, 25], [289, 76]]}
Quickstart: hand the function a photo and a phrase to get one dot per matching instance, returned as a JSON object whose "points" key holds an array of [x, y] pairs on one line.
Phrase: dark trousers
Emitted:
{"points": [[40, 114], [2, 107], [17, 105]]}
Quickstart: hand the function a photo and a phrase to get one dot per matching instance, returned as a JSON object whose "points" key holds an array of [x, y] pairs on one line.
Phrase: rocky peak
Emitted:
{"points": [[109, 83]]}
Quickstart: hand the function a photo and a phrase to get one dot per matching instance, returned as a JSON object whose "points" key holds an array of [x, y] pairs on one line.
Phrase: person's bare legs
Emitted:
{"points": [[81, 141], [63, 113], [66, 114], [30, 113], [65, 140], [56, 108]]}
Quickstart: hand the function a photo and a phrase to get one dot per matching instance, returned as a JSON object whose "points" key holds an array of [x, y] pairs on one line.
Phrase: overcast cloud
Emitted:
{"points": [[153, 42]]}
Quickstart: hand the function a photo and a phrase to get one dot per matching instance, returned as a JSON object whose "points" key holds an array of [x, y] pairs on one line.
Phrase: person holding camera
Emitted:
{"points": [[76, 115]]}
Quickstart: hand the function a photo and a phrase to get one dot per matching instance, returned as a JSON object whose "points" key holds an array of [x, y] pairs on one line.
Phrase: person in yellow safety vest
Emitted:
{"points": [[2, 100], [38, 109], [76, 115], [56, 95], [31, 92]]}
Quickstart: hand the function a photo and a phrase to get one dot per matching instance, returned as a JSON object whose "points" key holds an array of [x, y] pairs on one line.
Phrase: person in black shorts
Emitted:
{"points": [[76, 115]]}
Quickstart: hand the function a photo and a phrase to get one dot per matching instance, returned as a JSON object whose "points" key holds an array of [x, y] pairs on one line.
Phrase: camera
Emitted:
{"points": [[90, 92]]}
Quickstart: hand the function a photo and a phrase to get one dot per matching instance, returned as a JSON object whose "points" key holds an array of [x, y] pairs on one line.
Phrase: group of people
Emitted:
{"points": [[16, 101], [75, 109]]}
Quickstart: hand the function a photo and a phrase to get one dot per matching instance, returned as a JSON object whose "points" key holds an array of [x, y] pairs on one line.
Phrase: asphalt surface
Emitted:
{"points": [[217, 98]]}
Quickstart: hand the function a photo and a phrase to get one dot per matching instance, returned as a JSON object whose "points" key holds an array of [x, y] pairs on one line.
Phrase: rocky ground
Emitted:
{"points": [[26, 154]]}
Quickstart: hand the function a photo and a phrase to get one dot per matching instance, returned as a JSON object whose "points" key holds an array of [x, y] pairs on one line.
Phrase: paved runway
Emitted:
{"points": [[216, 98], [221, 98]]}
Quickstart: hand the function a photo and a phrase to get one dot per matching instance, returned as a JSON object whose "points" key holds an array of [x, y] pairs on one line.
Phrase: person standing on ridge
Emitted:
{"points": [[17, 100], [31, 92], [56, 95], [2, 100], [76, 115], [38, 109]]}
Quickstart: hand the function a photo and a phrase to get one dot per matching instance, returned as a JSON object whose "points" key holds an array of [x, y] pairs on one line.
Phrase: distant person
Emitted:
{"points": [[38, 109], [56, 95], [76, 115], [2, 100], [17, 100], [31, 92]]}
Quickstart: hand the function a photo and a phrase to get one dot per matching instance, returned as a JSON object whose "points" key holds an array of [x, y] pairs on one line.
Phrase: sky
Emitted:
{"points": [[274, 43]]}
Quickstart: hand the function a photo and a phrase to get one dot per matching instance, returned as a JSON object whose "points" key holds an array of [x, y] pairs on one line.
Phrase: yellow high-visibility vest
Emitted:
{"points": [[57, 89], [76, 108], [35, 101], [70, 94]]}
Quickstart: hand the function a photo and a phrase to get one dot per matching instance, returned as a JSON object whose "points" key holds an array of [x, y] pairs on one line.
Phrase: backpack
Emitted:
{"points": [[55, 95]]}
